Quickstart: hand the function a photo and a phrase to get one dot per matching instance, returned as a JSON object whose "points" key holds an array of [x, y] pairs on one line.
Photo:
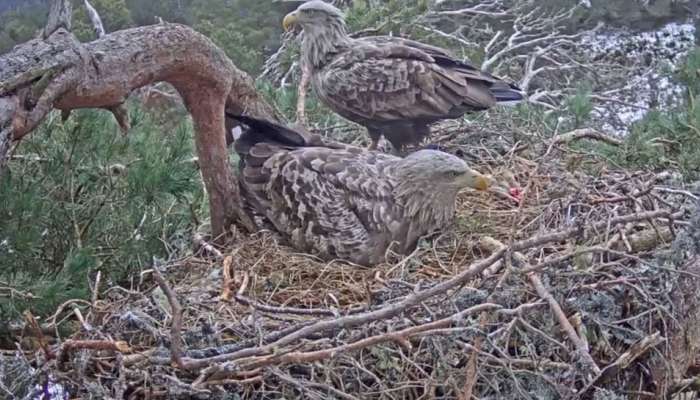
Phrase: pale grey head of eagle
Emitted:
{"points": [[324, 30], [439, 170], [428, 183], [313, 14]]}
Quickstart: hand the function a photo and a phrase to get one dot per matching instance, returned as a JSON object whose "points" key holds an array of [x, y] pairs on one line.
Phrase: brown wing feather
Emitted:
{"points": [[360, 85], [334, 201]]}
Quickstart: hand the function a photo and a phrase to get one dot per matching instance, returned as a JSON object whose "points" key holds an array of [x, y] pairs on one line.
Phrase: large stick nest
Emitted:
{"points": [[584, 289]]}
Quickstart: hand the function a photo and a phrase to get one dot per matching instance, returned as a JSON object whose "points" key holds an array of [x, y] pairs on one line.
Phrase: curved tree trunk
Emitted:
{"points": [[59, 72]]}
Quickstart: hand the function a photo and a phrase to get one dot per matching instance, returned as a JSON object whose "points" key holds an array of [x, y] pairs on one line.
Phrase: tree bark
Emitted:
{"points": [[60, 15], [62, 73]]}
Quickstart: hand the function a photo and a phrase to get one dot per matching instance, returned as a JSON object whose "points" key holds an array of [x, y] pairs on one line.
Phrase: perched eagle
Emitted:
{"points": [[344, 202], [394, 87]]}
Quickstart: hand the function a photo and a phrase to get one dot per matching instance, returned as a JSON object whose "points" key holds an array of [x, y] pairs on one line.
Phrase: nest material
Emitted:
{"points": [[578, 291]]}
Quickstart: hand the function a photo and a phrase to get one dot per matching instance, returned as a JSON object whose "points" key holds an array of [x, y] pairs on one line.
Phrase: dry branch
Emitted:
{"points": [[176, 324], [60, 16], [301, 95], [586, 133], [72, 345], [95, 19], [484, 320], [228, 283], [626, 359], [579, 344], [683, 331], [401, 337], [63, 73]]}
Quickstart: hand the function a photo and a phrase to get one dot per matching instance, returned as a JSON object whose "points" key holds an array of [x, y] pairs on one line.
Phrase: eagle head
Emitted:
{"points": [[312, 13], [441, 171]]}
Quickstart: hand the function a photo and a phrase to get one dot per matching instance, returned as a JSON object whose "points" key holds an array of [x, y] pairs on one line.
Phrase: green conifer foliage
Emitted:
{"points": [[115, 16], [671, 139], [78, 197], [246, 30]]}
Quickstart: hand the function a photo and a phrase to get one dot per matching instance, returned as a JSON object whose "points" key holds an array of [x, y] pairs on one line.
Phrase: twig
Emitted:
{"points": [[200, 242], [176, 325], [294, 310], [96, 288], [51, 321], [586, 133], [13, 292], [625, 360], [567, 233], [302, 385], [95, 19], [580, 345], [36, 331], [400, 337], [228, 279], [484, 320], [685, 385], [110, 345], [301, 95]]}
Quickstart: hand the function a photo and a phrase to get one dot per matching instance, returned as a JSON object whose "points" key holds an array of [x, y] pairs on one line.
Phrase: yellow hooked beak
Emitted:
{"points": [[476, 181], [289, 21]]}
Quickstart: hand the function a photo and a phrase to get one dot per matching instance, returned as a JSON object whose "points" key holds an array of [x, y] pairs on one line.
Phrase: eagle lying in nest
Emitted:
{"points": [[344, 202], [392, 86]]}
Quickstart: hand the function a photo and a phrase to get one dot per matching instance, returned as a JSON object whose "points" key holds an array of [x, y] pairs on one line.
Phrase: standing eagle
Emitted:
{"points": [[394, 87], [344, 202]]}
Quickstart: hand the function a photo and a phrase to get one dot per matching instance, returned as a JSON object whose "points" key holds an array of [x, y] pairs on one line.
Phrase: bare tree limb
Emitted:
{"points": [[402, 337], [60, 15], [72, 345], [625, 359], [95, 19], [176, 324], [301, 95], [60, 72], [487, 8], [586, 133], [580, 345]]}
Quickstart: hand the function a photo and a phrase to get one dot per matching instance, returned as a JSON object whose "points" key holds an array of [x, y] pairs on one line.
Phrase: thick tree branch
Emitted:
{"points": [[60, 72], [60, 15]]}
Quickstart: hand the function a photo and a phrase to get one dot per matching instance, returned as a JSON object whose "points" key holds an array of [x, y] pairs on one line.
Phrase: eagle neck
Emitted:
{"points": [[428, 206], [322, 42]]}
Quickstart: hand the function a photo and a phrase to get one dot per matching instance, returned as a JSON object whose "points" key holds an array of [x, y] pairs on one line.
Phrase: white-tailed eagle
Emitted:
{"points": [[394, 87], [345, 202]]}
